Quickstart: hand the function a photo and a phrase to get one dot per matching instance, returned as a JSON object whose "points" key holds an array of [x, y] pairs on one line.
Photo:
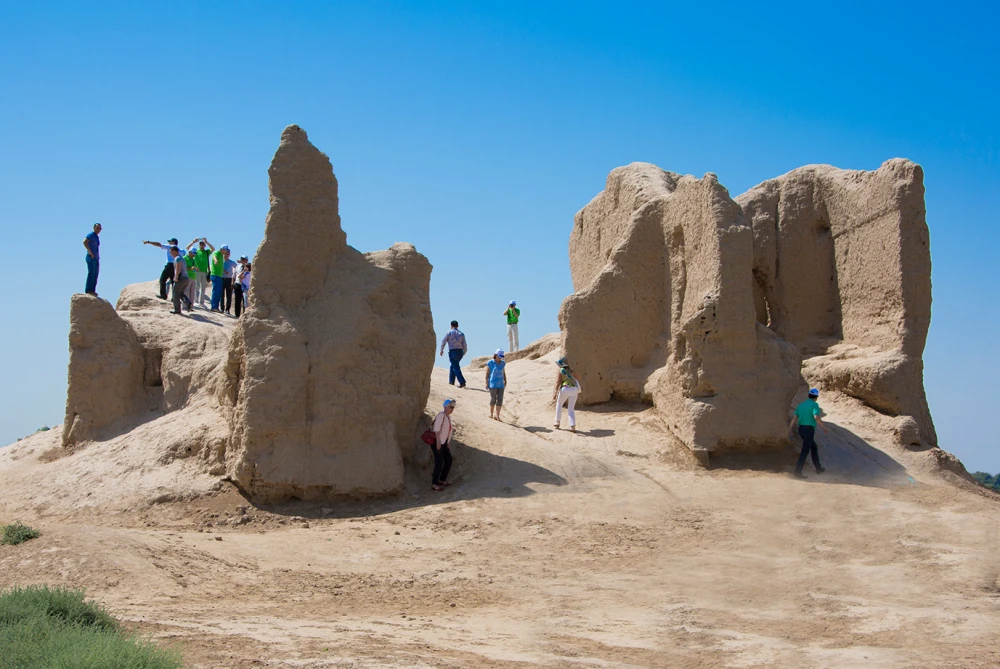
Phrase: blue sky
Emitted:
{"points": [[476, 131]]}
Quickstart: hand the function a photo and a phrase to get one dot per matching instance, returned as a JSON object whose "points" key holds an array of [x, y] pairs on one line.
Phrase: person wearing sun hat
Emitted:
{"points": [[513, 314], [441, 448], [807, 416], [496, 381], [168, 270], [566, 391]]}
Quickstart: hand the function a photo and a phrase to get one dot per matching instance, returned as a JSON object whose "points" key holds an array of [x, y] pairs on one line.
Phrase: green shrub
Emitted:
{"points": [[17, 533], [59, 629]]}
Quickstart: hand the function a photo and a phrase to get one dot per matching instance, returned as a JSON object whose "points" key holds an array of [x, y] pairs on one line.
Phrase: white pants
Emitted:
{"points": [[512, 337], [569, 393]]}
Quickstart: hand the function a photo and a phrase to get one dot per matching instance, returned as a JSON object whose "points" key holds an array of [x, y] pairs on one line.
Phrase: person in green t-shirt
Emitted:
{"points": [[217, 271], [807, 416], [201, 255], [513, 314]]}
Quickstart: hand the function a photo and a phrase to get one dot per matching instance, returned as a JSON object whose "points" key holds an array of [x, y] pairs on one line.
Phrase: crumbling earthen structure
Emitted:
{"points": [[704, 305], [329, 369], [842, 269]]}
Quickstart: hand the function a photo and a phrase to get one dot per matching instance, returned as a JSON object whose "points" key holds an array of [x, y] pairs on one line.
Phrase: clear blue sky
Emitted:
{"points": [[476, 131]]}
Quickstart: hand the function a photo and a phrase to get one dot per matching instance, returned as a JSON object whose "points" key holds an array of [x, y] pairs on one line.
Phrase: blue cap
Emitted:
{"points": [[814, 392], [448, 401], [224, 247], [513, 303]]}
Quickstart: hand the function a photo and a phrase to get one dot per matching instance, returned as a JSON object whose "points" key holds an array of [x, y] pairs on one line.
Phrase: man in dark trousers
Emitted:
{"points": [[807, 416], [168, 270], [457, 347], [180, 280], [93, 244]]}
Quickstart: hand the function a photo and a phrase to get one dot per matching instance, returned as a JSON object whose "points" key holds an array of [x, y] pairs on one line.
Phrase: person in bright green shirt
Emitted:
{"points": [[192, 273], [201, 255], [807, 416], [217, 270], [513, 314]]}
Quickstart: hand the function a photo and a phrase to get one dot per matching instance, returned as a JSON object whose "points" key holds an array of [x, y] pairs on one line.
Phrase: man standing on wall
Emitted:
{"points": [[512, 314], [807, 416], [93, 244], [180, 280], [201, 268], [457, 348], [168, 270]]}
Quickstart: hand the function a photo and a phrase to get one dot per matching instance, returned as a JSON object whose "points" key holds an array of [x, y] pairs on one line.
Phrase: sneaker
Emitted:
{"points": [[799, 475], [462, 386], [214, 311], [821, 470], [175, 312], [437, 488]]}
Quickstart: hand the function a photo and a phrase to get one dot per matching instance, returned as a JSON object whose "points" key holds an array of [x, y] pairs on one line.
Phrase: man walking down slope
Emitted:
{"points": [[93, 244], [513, 314], [168, 270], [807, 415], [457, 348]]}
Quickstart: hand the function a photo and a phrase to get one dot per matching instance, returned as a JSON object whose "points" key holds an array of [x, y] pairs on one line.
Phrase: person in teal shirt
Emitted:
{"points": [[496, 381], [807, 416]]}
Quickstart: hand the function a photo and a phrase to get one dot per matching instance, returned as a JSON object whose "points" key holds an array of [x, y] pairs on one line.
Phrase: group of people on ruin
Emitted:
{"points": [[191, 270], [187, 274]]}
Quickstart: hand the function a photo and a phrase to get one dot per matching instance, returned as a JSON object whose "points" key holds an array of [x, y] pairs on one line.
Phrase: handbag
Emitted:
{"points": [[429, 437]]}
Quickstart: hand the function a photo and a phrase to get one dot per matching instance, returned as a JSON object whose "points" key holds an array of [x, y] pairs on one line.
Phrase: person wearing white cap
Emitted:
{"points": [[513, 314], [807, 416], [441, 448], [566, 391], [496, 381]]}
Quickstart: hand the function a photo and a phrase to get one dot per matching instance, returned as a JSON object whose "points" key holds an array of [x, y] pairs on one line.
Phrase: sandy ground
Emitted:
{"points": [[605, 548]]}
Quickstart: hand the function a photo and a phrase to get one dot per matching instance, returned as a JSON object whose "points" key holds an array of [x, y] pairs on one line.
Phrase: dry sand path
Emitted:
{"points": [[604, 548]]}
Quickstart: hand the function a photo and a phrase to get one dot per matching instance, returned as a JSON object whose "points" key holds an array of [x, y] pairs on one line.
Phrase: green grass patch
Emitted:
{"points": [[17, 533], [58, 629]]}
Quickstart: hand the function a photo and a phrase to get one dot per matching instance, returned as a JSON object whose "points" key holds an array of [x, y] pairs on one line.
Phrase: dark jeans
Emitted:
{"points": [[216, 292], [166, 275], [180, 288], [455, 372], [93, 267], [807, 432], [442, 463], [238, 296], [227, 289]]}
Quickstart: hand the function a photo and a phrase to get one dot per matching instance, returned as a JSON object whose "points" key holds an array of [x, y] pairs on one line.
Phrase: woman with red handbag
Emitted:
{"points": [[442, 453]]}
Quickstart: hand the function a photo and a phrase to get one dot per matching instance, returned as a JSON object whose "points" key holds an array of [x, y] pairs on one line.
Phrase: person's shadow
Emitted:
{"points": [[475, 474], [846, 457]]}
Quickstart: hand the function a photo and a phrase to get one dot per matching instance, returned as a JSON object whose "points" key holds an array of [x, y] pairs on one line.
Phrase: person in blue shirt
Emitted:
{"points": [[93, 245], [168, 270], [496, 381], [457, 348], [807, 416]]}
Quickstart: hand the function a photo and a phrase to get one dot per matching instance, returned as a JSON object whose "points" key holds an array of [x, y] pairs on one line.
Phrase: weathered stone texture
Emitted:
{"points": [[842, 270], [329, 369]]}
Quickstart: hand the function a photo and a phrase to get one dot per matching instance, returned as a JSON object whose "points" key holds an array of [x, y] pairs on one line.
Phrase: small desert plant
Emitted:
{"points": [[17, 533], [43, 627]]}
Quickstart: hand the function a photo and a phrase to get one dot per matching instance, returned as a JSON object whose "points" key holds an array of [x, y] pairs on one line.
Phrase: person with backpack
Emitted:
{"points": [[566, 391], [513, 314], [457, 348], [807, 416], [442, 446], [496, 381]]}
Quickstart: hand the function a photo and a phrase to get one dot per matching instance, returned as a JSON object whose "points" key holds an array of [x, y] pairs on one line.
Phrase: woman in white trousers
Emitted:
{"points": [[566, 391]]}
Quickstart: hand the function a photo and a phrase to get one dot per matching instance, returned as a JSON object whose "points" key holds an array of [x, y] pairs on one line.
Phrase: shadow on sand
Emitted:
{"points": [[847, 458], [475, 474]]}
